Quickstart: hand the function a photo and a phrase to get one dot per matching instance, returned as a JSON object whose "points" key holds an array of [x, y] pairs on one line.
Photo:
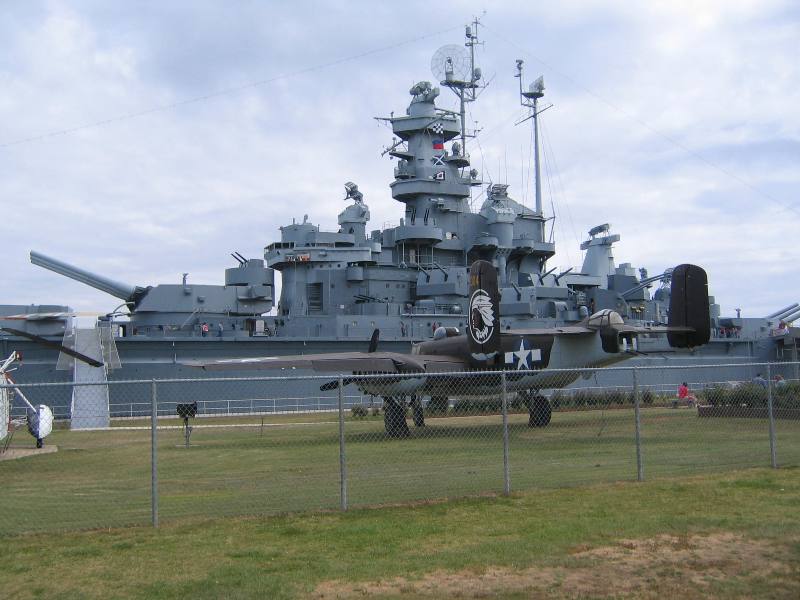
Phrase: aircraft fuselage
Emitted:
{"points": [[530, 362]]}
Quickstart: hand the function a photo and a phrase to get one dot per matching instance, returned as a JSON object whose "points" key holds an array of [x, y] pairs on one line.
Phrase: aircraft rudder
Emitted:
{"points": [[483, 321], [689, 307]]}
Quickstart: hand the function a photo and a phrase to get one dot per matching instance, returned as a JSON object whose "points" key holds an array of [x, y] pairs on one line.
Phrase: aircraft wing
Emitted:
{"points": [[653, 328], [339, 362], [555, 331], [579, 330]]}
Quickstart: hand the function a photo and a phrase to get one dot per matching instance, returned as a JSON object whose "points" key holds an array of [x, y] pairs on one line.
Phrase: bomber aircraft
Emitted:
{"points": [[533, 359]]}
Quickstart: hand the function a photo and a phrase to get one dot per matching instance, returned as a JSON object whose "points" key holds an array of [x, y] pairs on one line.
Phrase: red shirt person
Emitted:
{"points": [[684, 394]]}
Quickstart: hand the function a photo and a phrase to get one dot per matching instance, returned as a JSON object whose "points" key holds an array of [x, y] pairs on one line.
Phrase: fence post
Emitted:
{"points": [[638, 420], [772, 442], [506, 468], [342, 460], [154, 453]]}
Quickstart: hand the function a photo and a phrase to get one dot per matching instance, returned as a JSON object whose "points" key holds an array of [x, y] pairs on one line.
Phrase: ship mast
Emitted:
{"points": [[471, 33], [463, 85], [530, 99]]}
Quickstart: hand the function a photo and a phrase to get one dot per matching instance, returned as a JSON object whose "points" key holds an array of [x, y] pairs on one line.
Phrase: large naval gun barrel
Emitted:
{"points": [[792, 316], [124, 291], [784, 311]]}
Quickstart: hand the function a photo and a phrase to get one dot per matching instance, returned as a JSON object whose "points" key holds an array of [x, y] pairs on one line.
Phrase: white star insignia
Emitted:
{"points": [[524, 356]]}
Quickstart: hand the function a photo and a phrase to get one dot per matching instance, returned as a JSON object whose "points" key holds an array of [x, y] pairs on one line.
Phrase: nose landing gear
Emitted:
{"points": [[394, 415]]}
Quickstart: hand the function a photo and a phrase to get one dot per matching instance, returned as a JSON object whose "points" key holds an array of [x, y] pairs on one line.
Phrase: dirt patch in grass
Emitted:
{"points": [[14, 453], [689, 566]]}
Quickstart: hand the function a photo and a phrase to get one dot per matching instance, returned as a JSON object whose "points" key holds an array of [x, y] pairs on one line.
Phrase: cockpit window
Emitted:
{"points": [[604, 318]]}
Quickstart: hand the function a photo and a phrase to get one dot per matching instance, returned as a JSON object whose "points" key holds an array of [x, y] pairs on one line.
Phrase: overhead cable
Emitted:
{"points": [[223, 92]]}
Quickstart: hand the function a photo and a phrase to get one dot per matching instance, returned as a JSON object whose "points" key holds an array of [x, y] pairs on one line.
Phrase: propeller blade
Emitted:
{"points": [[373, 342], [332, 385], [47, 343]]}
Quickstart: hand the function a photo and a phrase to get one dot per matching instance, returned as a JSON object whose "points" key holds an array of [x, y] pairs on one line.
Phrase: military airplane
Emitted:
{"points": [[533, 359]]}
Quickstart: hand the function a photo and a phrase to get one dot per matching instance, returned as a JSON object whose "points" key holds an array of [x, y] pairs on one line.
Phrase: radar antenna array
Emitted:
{"points": [[451, 63], [454, 66]]}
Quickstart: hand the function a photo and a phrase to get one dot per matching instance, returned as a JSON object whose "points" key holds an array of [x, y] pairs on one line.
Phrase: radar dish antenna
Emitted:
{"points": [[451, 63]]}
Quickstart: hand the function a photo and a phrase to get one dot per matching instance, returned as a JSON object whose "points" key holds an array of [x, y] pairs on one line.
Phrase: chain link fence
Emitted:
{"points": [[144, 452]]}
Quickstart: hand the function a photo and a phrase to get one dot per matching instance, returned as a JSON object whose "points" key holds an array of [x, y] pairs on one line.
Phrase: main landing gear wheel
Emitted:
{"points": [[539, 410], [416, 411], [394, 417]]}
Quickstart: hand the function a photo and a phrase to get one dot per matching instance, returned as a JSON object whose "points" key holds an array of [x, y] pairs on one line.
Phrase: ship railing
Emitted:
{"points": [[235, 396], [239, 407]]}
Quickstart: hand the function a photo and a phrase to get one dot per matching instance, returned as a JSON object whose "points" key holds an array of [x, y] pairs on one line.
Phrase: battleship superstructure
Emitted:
{"points": [[337, 287]]}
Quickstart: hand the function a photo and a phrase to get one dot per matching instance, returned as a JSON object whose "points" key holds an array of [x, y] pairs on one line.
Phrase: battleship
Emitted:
{"points": [[407, 281]]}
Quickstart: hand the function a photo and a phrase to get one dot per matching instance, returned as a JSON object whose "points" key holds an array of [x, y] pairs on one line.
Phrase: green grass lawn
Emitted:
{"points": [[102, 479], [724, 535]]}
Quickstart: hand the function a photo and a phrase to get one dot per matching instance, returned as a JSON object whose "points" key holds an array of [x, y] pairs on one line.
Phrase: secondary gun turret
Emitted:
{"points": [[128, 293]]}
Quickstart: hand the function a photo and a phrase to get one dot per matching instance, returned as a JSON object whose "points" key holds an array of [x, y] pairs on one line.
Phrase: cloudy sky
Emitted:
{"points": [[142, 140]]}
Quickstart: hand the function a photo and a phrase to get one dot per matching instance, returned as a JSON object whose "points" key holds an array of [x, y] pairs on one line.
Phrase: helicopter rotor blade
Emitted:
{"points": [[47, 343]]}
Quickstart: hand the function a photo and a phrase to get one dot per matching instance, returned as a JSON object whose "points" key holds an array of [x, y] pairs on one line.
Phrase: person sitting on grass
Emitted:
{"points": [[685, 394]]}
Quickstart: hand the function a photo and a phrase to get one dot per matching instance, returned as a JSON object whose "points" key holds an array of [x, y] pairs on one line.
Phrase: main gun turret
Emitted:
{"points": [[180, 309], [124, 291]]}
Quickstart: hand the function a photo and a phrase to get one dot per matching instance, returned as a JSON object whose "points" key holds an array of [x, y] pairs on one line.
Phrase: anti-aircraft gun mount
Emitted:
{"points": [[182, 309]]}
